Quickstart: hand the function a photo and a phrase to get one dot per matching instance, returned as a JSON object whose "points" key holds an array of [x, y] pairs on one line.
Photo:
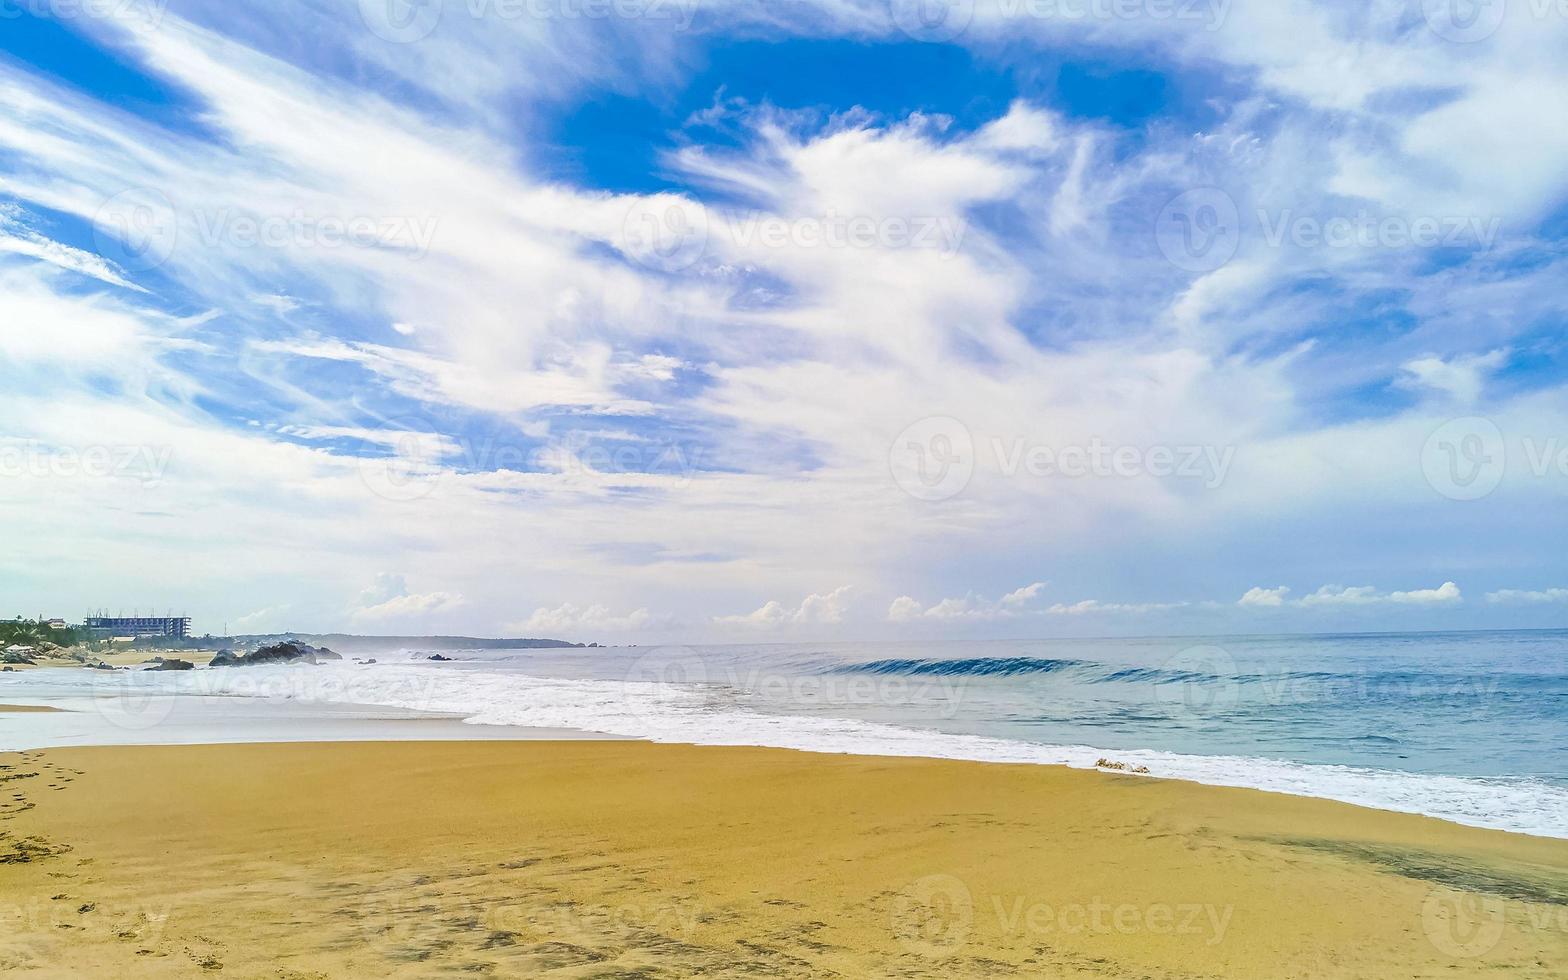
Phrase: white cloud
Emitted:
{"points": [[88, 264], [1025, 594], [388, 598], [527, 310], [1365, 595], [1447, 592], [1461, 377], [817, 608], [1527, 596], [272, 617], [418, 604], [1268, 598], [904, 609], [1025, 127], [970, 607], [570, 618], [1086, 606]]}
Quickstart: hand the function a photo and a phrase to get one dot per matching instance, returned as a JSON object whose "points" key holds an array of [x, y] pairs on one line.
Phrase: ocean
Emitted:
{"points": [[1471, 727]]}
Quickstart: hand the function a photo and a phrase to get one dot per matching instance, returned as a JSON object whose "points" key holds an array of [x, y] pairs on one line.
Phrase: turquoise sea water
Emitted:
{"points": [[1463, 704], [1471, 727]]}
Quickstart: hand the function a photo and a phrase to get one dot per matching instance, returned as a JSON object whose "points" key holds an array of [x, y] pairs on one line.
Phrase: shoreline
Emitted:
{"points": [[154, 709], [412, 858]]}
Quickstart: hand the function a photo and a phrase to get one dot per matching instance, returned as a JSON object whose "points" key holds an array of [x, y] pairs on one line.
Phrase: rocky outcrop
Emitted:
{"points": [[158, 663], [287, 652], [1120, 766]]}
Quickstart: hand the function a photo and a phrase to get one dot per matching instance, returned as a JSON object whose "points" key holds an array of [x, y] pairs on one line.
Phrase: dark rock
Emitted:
{"points": [[163, 664], [437, 656], [287, 652], [280, 653]]}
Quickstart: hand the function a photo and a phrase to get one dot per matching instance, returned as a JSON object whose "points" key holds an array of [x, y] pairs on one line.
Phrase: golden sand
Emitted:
{"points": [[23, 709], [627, 859], [113, 657]]}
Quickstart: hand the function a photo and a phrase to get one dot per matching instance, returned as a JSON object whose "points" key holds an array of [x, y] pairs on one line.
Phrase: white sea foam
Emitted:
{"points": [[693, 715]]}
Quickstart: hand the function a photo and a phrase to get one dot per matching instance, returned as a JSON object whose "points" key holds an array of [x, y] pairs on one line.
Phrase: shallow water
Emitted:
{"points": [[1472, 727]]}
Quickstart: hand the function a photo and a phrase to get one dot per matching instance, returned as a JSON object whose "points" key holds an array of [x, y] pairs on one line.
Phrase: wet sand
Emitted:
{"points": [[629, 859]]}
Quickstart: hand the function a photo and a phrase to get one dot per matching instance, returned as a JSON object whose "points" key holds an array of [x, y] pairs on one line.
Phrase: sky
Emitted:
{"points": [[648, 321]]}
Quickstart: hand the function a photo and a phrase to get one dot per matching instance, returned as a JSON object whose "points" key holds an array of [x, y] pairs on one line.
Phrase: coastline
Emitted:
{"points": [[602, 857], [475, 700]]}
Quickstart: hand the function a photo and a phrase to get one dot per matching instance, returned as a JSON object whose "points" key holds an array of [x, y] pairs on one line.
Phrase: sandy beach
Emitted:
{"points": [[600, 859]]}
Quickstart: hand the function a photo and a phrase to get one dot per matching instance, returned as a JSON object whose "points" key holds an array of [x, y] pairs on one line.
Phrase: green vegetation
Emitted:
{"points": [[38, 634]]}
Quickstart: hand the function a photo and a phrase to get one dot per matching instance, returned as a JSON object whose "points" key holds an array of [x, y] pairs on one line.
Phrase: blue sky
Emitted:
{"points": [[668, 321]]}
